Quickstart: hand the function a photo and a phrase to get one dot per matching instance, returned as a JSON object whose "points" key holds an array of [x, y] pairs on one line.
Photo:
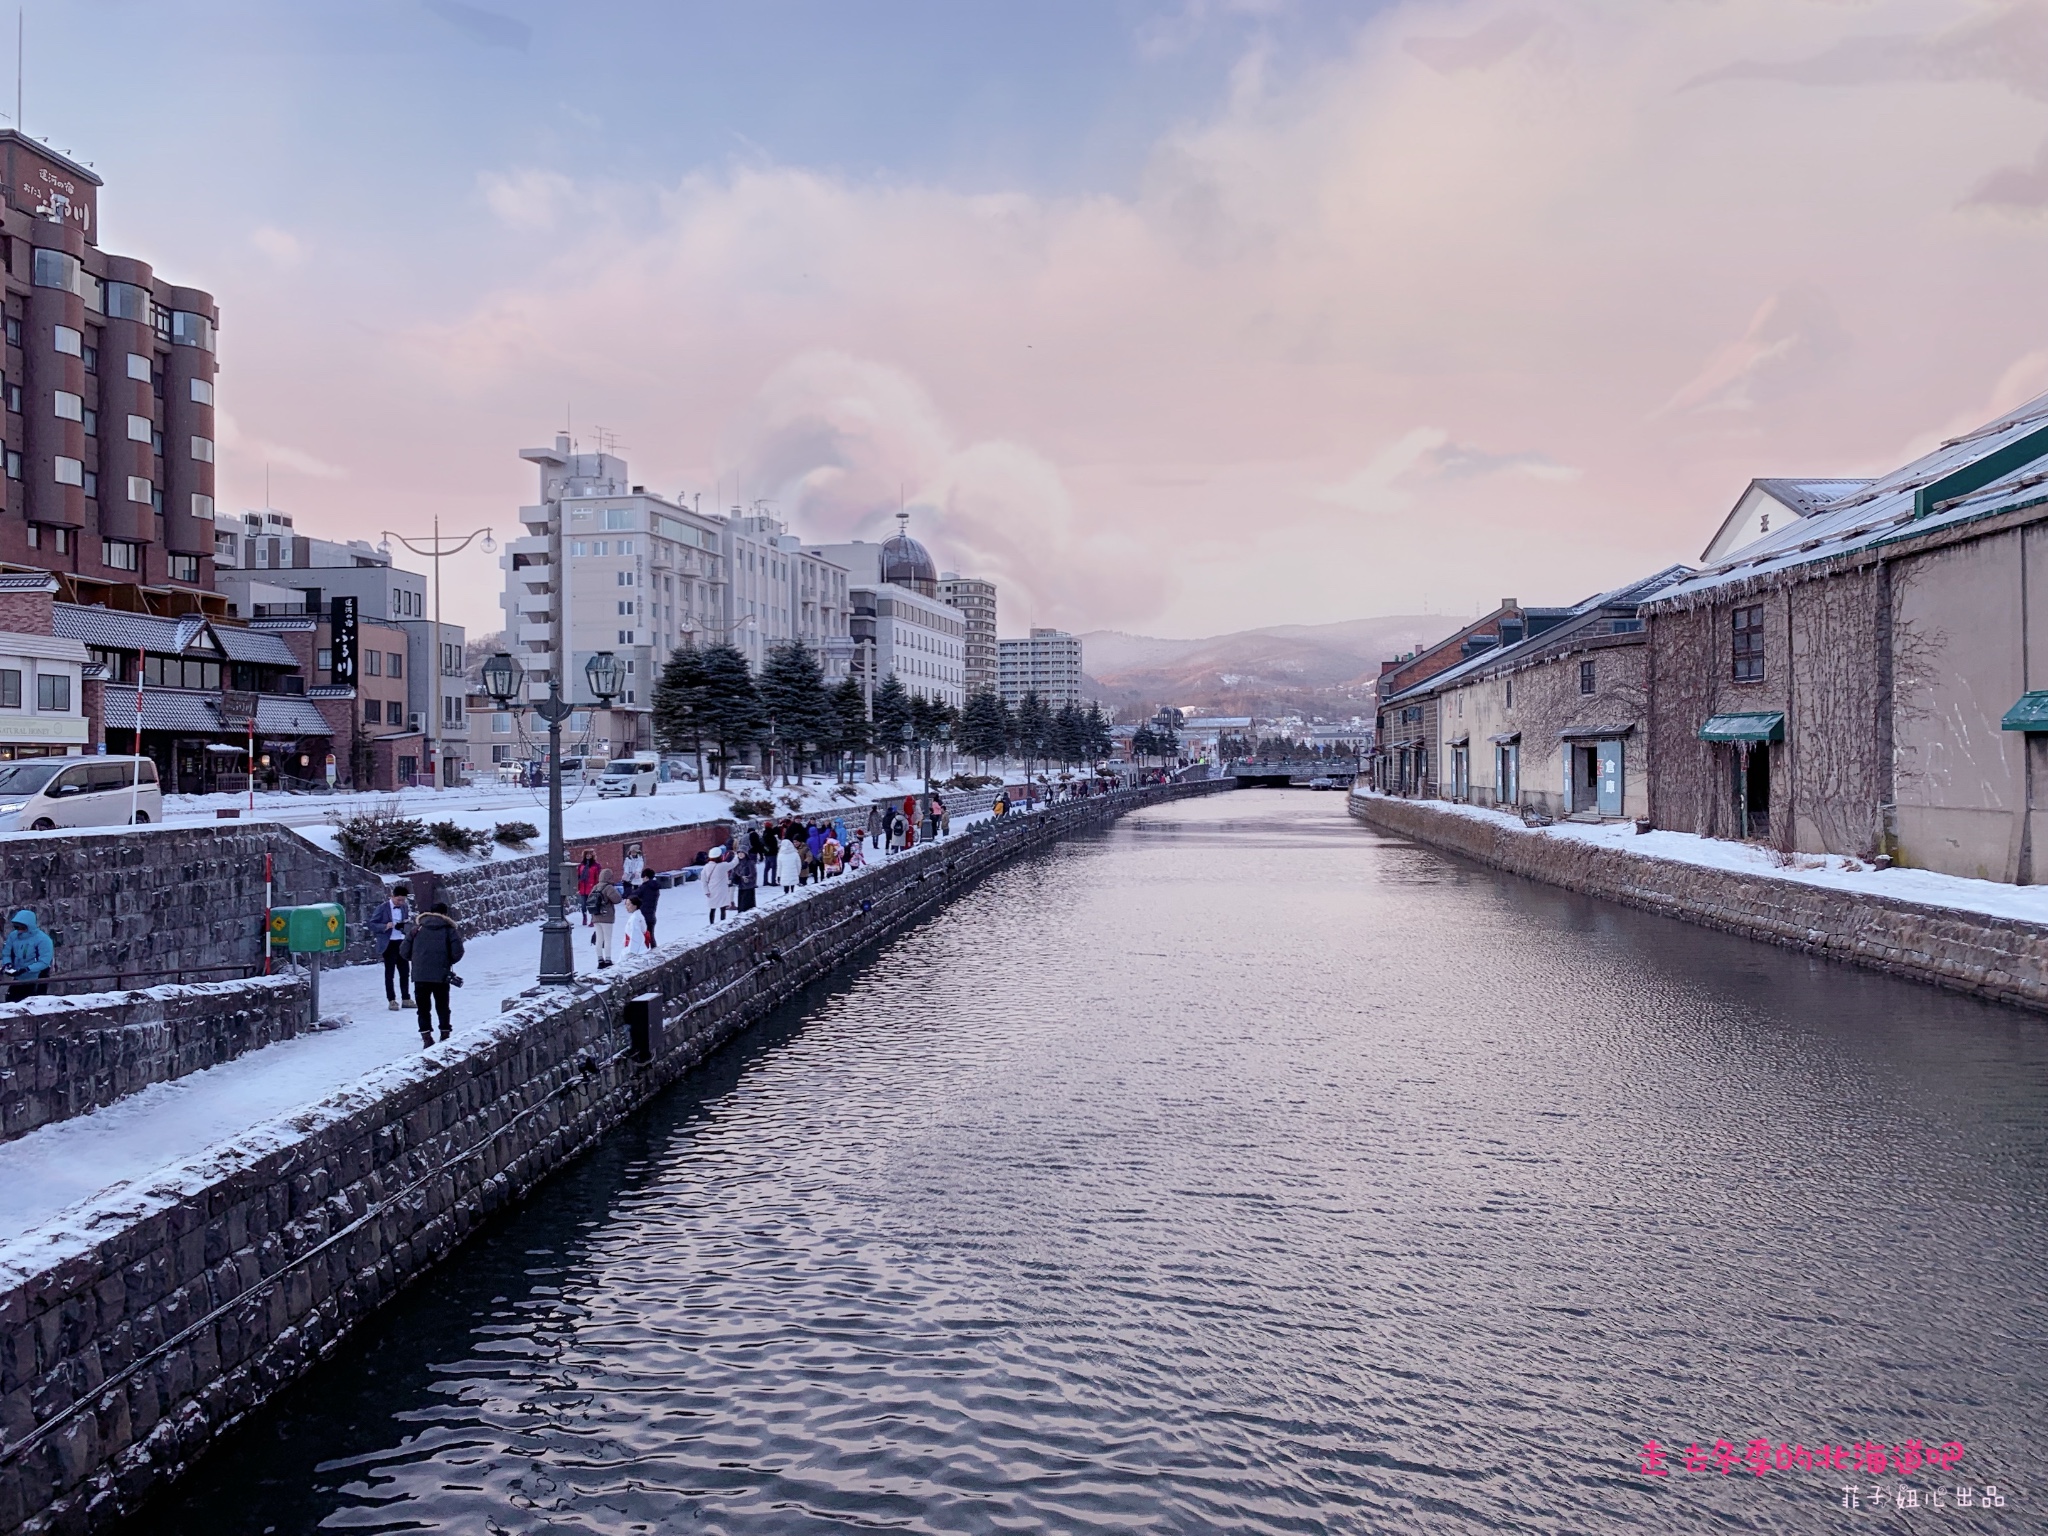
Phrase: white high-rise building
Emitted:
{"points": [[1048, 663], [779, 591], [641, 574]]}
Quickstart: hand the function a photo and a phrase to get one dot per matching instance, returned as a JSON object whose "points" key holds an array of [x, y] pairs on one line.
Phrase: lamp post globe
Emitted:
{"points": [[606, 677], [502, 677]]}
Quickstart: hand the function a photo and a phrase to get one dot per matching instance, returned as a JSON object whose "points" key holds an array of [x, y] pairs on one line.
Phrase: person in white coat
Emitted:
{"points": [[717, 888], [789, 864]]}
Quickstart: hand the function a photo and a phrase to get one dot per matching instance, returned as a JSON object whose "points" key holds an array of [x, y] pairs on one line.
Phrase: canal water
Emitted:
{"points": [[1241, 1169]]}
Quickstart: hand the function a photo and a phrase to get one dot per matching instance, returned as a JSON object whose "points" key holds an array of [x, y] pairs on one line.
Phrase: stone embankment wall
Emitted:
{"points": [[1993, 957], [137, 906], [120, 1364], [60, 1058]]}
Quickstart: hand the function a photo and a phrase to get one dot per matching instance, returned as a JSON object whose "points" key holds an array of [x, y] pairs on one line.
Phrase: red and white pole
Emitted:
{"points": [[251, 765], [135, 768]]}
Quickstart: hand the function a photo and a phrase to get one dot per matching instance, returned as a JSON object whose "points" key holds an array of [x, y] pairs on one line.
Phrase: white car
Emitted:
{"points": [[39, 793], [628, 776]]}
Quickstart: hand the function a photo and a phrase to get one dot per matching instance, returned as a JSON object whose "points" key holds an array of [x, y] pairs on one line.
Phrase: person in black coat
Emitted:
{"points": [[743, 877], [647, 896], [433, 947]]}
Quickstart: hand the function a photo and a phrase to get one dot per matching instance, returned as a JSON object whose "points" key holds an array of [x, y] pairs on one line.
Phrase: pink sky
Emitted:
{"points": [[1498, 301]]}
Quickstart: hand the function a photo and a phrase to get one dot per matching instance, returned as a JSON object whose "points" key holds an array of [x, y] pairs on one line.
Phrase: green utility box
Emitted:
{"points": [[307, 930]]}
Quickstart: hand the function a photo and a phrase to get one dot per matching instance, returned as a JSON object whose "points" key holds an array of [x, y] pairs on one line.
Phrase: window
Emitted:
{"points": [[618, 517], [397, 664], [125, 301], [1746, 651], [502, 753], [625, 546], [60, 540], [92, 483], [92, 358], [141, 490], [69, 407], [10, 688], [202, 449], [625, 637], [625, 607], [1586, 677], [53, 692], [138, 367], [191, 330], [184, 567], [92, 422], [14, 398], [119, 554], [501, 725], [66, 339], [623, 578], [451, 710], [373, 663], [55, 269], [202, 392], [70, 471], [202, 507], [14, 330], [323, 659], [451, 660], [577, 549], [140, 429], [373, 712], [1511, 693]]}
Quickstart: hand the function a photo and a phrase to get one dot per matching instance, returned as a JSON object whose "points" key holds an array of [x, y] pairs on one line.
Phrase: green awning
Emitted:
{"points": [[2030, 714], [1756, 727]]}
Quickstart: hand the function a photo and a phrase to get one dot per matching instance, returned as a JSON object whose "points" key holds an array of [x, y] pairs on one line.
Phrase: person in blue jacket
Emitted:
{"points": [[27, 958]]}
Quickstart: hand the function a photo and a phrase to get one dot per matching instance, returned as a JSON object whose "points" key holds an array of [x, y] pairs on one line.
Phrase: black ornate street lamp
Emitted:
{"points": [[504, 681]]}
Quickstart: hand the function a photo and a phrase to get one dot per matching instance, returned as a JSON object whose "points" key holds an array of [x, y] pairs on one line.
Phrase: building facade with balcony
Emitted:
{"points": [[778, 591], [109, 394], [639, 576], [976, 601], [1047, 663], [900, 625]]}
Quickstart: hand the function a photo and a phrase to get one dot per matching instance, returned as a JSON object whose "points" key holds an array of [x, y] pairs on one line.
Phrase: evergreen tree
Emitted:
{"points": [[732, 705], [1144, 744], [1032, 728], [849, 718], [1070, 734], [1099, 743], [892, 718], [679, 697], [793, 702], [985, 727]]}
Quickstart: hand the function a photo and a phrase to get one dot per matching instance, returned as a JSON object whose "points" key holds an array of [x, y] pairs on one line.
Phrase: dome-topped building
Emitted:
{"points": [[907, 563]]}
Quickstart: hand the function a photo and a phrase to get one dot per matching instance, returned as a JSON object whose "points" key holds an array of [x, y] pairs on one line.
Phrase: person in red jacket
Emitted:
{"points": [[587, 875]]}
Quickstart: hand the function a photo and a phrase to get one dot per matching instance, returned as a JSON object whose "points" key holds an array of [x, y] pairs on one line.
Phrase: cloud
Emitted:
{"points": [[2017, 187], [2009, 48], [1499, 39], [252, 452], [487, 28], [1794, 338], [1388, 324], [527, 199], [281, 246]]}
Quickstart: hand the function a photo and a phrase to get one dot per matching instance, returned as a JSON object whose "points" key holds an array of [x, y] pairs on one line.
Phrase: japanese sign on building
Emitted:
{"points": [[341, 618]]}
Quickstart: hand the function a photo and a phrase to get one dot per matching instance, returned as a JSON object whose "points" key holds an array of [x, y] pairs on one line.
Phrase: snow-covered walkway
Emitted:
{"points": [[49, 1177]]}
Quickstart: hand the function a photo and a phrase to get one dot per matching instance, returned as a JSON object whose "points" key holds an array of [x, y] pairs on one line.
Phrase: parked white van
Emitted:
{"points": [[629, 776], [38, 793]]}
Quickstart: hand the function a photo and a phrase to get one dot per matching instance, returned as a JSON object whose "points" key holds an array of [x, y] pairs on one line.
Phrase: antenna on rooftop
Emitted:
{"points": [[20, 45]]}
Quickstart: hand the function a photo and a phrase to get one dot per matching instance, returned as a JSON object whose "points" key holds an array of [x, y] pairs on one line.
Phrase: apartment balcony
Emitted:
{"points": [[536, 634], [534, 600]]}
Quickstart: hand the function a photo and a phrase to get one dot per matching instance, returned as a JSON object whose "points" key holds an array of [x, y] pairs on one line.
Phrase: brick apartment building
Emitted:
{"points": [[108, 394]]}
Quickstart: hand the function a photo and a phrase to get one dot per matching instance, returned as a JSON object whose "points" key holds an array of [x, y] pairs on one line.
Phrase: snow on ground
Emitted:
{"points": [[64, 1184], [584, 815], [1989, 898]]}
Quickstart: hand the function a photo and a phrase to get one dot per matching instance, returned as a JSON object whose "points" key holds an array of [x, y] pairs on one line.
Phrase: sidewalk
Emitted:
{"points": [[146, 1137]]}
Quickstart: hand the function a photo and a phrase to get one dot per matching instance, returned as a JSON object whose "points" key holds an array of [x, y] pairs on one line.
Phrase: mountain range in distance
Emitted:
{"points": [[1307, 669]]}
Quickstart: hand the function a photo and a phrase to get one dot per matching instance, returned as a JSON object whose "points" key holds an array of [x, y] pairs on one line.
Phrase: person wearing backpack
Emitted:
{"points": [[433, 947]]}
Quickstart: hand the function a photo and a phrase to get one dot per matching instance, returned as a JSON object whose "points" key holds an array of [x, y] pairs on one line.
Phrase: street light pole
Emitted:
{"points": [[434, 549]]}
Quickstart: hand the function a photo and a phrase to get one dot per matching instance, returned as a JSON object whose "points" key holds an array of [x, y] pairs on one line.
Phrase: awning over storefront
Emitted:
{"points": [[1752, 727], [1594, 732], [289, 717], [2030, 714]]}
